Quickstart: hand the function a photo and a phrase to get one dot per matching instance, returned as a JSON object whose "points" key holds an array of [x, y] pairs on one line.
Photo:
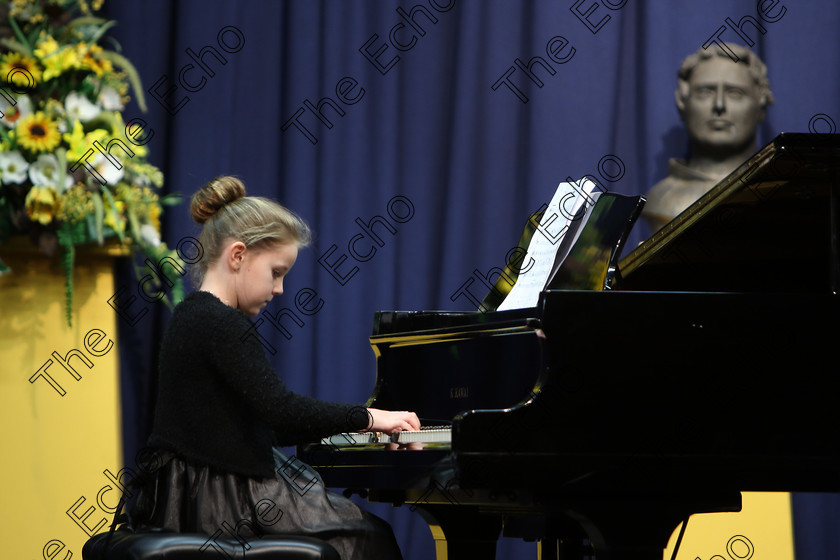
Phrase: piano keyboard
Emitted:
{"points": [[351, 438], [426, 434], [430, 434]]}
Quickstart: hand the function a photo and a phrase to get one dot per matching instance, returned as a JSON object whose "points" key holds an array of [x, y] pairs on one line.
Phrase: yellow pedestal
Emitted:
{"points": [[762, 529], [56, 448]]}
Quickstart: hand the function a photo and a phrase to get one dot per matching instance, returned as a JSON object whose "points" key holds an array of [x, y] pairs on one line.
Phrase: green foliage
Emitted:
{"points": [[76, 90], [69, 235]]}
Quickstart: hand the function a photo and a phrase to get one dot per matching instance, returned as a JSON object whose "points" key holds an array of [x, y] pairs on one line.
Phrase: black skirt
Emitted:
{"points": [[182, 497]]}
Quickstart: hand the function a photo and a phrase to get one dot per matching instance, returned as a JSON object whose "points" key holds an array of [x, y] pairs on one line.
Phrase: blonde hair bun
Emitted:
{"points": [[215, 195], [227, 214]]}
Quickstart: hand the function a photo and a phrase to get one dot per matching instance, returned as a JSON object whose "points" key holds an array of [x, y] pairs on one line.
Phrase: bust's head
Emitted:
{"points": [[721, 101]]}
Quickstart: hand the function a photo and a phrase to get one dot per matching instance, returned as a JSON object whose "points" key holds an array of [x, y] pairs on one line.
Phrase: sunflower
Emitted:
{"points": [[91, 59], [13, 61], [38, 133]]}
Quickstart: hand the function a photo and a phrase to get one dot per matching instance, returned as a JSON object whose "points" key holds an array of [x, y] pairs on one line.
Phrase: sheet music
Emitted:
{"points": [[562, 217], [575, 229]]}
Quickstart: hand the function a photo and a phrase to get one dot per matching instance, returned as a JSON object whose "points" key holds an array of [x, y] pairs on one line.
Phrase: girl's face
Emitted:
{"points": [[261, 276]]}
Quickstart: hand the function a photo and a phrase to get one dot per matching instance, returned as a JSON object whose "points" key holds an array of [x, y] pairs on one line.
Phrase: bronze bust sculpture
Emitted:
{"points": [[721, 102]]}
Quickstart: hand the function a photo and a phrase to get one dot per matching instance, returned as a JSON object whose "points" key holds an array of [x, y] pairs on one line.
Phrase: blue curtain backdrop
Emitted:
{"points": [[348, 112]]}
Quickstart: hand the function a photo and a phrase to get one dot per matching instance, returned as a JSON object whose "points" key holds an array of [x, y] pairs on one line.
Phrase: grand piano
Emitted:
{"points": [[638, 391]]}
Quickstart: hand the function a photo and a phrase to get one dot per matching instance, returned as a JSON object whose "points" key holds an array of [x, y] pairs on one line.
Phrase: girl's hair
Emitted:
{"points": [[227, 214]]}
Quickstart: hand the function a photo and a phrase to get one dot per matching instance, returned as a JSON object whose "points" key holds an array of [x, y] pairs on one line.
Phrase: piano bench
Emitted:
{"points": [[125, 545]]}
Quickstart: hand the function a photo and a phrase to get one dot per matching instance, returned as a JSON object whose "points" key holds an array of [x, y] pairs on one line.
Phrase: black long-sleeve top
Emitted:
{"points": [[220, 403]]}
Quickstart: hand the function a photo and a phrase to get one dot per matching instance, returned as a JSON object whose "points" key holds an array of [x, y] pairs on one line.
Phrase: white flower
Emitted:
{"points": [[12, 167], [79, 107], [106, 168], [150, 235], [13, 113], [45, 172], [110, 100]]}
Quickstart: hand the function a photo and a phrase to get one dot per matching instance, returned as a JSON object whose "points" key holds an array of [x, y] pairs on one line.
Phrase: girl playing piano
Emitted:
{"points": [[221, 407]]}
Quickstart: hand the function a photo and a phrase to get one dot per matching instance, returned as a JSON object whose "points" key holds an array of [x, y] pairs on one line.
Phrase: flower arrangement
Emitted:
{"points": [[62, 96]]}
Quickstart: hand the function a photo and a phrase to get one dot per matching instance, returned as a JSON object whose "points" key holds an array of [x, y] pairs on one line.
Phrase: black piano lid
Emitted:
{"points": [[442, 322], [772, 225]]}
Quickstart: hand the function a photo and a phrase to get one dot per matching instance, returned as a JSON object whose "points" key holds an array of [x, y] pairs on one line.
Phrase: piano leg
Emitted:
{"points": [[557, 537], [571, 544], [462, 533]]}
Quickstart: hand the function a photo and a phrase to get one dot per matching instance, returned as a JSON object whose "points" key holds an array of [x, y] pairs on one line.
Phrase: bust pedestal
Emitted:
{"points": [[57, 446]]}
